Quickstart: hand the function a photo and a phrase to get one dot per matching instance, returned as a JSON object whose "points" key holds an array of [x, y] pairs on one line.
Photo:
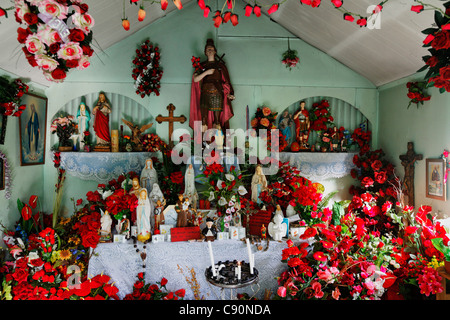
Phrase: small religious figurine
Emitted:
{"points": [[143, 213], [149, 176], [211, 92], [123, 227], [285, 124], [158, 213], [101, 112], [156, 196], [334, 140], [106, 222], [344, 141], [263, 232], [182, 211], [210, 231], [83, 117], [259, 184], [277, 229], [302, 124], [136, 187], [33, 130], [136, 133], [189, 186]]}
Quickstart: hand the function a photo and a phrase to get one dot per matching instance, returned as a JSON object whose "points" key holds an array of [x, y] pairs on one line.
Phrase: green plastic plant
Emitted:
{"points": [[439, 245]]}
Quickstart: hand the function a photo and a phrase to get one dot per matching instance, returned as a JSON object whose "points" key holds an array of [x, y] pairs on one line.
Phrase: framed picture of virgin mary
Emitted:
{"points": [[32, 129], [435, 175]]}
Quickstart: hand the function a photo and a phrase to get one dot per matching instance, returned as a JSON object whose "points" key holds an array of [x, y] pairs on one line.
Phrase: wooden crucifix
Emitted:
{"points": [[171, 119], [408, 161]]}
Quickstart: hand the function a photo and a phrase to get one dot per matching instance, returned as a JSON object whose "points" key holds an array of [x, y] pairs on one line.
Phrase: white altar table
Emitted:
{"points": [[122, 263]]}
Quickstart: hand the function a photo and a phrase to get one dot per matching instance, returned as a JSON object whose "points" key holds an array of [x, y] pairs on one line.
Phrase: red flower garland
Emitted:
{"points": [[147, 72]]}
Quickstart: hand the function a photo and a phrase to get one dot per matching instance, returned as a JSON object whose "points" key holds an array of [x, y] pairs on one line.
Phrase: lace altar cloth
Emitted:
{"points": [[122, 263], [103, 166], [319, 166]]}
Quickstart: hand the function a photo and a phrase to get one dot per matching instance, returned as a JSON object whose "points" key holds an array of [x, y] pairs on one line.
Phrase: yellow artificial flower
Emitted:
{"points": [[75, 240], [55, 256], [65, 254], [434, 263], [64, 221]]}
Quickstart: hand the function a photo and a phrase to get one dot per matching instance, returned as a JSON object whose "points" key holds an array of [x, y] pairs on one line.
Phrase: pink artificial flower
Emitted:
{"points": [[281, 292]]}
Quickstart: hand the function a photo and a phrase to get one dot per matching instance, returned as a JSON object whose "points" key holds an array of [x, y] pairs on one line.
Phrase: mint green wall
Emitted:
{"points": [[26, 180], [253, 55], [426, 126]]}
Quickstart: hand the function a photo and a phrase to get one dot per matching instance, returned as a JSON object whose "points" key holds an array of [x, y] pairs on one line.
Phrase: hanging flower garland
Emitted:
{"points": [[8, 180], [147, 71], [49, 43]]}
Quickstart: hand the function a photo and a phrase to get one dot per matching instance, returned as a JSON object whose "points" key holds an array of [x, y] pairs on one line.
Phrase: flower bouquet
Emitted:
{"points": [[416, 92], [152, 142], [10, 95], [264, 119], [56, 35], [290, 58], [226, 189], [147, 291], [320, 116], [64, 127]]}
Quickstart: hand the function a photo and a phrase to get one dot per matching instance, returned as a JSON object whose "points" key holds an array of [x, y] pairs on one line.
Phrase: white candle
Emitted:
{"points": [[252, 263], [239, 270], [212, 259], [250, 255]]}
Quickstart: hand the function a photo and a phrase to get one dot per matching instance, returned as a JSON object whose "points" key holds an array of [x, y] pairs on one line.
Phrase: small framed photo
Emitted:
{"points": [[435, 175], [32, 130]]}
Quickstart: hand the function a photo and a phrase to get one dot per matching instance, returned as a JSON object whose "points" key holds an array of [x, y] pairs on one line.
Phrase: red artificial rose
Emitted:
{"points": [[445, 73], [441, 40], [2, 12], [217, 21], [361, 22], [206, 11], [417, 9], [201, 4], [257, 10], [163, 282], [367, 182], [380, 177], [248, 10], [432, 61], [58, 74], [273, 8], [376, 165], [90, 239], [72, 63], [234, 19], [226, 16], [337, 3], [76, 35], [348, 17], [22, 34], [30, 18], [176, 177]]}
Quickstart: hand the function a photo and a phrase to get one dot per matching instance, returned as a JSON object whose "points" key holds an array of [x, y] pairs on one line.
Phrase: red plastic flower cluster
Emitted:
{"points": [[146, 291], [320, 116]]}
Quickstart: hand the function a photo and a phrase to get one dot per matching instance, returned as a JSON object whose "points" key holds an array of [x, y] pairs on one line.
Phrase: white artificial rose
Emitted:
{"points": [[70, 51], [53, 8], [34, 45], [46, 63], [83, 21]]}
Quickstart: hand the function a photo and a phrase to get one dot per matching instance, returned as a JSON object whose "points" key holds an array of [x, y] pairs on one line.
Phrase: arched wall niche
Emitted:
{"points": [[344, 114], [122, 107]]}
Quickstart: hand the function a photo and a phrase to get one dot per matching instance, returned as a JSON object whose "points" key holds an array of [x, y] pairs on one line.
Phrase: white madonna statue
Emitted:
{"points": [[149, 176]]}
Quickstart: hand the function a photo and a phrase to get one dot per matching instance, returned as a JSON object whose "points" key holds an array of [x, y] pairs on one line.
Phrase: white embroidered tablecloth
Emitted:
{"points": [[319, 166], [103, 166], [122, 263]]}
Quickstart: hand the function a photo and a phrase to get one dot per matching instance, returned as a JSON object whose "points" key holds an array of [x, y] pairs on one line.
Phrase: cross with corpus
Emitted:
{"points": [[408, 161], [171, 119]]}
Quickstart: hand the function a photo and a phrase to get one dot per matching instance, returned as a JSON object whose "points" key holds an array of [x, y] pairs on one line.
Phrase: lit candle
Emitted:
{"points": [[212, 259], [239, 270]]}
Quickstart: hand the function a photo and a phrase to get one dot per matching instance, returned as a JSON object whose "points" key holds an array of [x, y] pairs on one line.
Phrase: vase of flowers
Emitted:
{"points": [[64, 127]]}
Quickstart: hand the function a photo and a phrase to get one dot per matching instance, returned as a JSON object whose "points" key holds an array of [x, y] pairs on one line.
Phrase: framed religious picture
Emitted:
{"points": [[32, 130], [3, 121], [435, 175]]}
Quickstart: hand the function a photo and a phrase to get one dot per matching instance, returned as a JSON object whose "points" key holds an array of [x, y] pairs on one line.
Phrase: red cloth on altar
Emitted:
{"points": [[101, 126], [195, 113]]}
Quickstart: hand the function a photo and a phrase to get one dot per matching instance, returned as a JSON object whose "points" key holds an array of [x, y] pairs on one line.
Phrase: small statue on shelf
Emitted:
{"points": [[101, 112], [302, 123], [189, 186], [136, 133], [105, 222], [285, 125], [182, 208], [259, 184], [149, 176], [83, 117], [335, 138], [277, 229], [159, 215], [143, 214]]}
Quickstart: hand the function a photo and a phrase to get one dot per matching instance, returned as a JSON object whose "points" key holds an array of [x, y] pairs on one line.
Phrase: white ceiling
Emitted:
{"points": [[381, 55]]}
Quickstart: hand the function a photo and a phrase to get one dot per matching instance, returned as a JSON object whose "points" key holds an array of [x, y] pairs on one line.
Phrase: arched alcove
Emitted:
{"points": [[122, 107], [344, 114]]}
